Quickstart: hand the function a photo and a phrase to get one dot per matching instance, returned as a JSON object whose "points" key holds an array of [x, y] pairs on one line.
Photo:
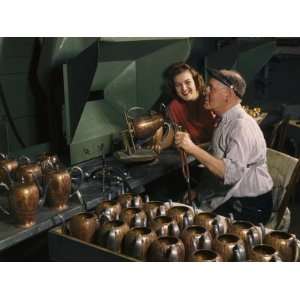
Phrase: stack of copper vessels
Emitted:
{"points": [[146, 230], [31, 184]]}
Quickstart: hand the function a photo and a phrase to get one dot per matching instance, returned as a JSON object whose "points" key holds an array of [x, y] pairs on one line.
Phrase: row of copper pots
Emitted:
{"points": [[233, 240], [34, 184]]}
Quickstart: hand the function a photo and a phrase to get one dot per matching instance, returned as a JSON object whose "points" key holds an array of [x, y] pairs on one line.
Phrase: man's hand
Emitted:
{"points": [[183, 140]]}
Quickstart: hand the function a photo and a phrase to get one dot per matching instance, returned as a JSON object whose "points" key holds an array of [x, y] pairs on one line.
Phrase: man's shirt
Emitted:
{"points": [[239, 141]]}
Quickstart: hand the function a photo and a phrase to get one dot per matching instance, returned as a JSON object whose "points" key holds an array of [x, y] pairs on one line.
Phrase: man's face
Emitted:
{"points": [[185, 86], [216, 96]]}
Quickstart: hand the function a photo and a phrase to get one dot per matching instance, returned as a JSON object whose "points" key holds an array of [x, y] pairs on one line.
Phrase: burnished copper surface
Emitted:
{"points": [[215, 224], [134, 217], [263, 253], [130, 200], [58, 184], [194, 238], [108, 209], [230, 247], [154, 209], [285, 243], [24, 201], [165, 226], [183, 215], [205, 255], [83, 226], [110, 235], [146, 126], [247, 232], [166, 249], [137, 241], [29, 172]]}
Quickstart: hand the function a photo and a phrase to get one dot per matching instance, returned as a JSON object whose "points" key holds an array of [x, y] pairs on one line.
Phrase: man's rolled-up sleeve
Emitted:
{"points": [[237, 154]]}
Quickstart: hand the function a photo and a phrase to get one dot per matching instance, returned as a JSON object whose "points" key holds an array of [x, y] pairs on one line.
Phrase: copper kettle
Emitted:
{"points": [[9, 165], [58, 182], [24, 200], [45, 159]]}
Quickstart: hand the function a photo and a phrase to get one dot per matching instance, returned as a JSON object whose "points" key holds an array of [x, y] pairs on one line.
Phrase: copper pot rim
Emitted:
{"points": [[264, 249], [280, 235], [196, 229], [168, 240], [228, 238], [206, 254], [167, 219], [141, 230]]}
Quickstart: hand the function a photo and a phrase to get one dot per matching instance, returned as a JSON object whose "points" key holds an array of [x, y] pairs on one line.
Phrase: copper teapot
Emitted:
{"points": [[154, 209], [108, 210], [204, 255], [214, 223], [24, 200], [183, 215], [9, 165], [194, 238], [130, 200], [58, 182], [145, 126], [264, 253], [137, 241], [28, 170], [285, 243], [165, 226], [166, 249]]}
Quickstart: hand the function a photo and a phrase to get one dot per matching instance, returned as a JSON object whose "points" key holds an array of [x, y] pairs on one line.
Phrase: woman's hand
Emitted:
{"points": [[183, 140]]}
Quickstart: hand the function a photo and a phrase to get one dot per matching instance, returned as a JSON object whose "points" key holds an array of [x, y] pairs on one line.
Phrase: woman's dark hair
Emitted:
{"points": [[178, 68]]}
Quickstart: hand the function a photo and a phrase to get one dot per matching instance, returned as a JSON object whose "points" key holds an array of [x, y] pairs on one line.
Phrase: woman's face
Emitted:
{"points": [[185, 86]]}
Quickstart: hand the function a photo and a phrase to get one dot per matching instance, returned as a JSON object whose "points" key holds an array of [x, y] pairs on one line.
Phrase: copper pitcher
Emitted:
{"points": [[7, 166], [111, 234], [214, 223], [230, 247], [263, 252], [83, 226], [58, 182], [134, 217], [24, 201], [108, 210], [204, 255], [137, 241], [285, 243], [194, 238], [183, 215], [166, 249], [28, 170], [248, 232], [165, 226], [129, 200]]}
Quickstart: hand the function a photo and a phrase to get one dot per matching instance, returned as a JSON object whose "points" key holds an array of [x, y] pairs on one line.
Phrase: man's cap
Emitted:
{"points": [[216, 74]]}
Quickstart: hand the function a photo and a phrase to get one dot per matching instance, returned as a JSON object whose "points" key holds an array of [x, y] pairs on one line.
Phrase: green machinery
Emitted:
{"points": [[127, 72]]}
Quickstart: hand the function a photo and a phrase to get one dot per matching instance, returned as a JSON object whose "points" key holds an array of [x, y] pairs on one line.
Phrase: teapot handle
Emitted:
{"points": [[111, 240], [250, 239], [2, 208], [296, 248], [76, 168], [173, 229], [138, 221], [6, 171], [24, 159], [263, 231], [172, 253], [147, 199], [3, 156], [162, 210], [135, 201], [239, 253], [187, 219], [216, 228], [137, 247], [275, 258], [104, 217]]}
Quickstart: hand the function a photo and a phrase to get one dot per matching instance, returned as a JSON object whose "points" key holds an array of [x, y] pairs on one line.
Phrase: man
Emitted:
{"points": [[240, 182], [186, 88]]}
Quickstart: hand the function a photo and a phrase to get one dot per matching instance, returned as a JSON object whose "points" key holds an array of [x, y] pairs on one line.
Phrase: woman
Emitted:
{"points": [[186, 88]]}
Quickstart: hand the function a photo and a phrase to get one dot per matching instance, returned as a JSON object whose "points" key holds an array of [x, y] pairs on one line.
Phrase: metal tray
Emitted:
{"points": [[63, 247]]}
